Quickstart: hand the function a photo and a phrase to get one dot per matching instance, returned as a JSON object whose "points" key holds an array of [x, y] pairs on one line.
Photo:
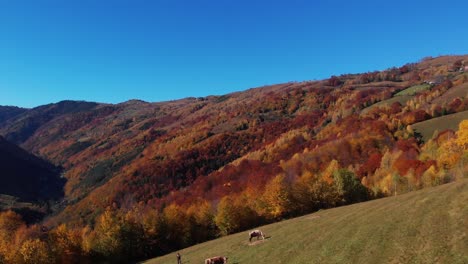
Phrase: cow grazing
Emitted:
{"points": [[256, 233], [216, 260]]}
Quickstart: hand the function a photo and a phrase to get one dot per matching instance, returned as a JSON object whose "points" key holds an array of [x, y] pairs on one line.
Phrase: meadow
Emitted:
{"points": [[426, 226], [427, 128]]}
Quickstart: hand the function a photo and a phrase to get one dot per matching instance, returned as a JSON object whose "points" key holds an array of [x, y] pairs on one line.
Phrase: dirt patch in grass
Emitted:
{"points": [[257, 242]]}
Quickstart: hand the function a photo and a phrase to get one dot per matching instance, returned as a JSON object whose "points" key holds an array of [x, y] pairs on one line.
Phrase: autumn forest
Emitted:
{"points": [[126, 182]]}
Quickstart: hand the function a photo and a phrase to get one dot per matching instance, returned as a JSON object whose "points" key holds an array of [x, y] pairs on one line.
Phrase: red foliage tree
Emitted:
{"points": [[370, 166]]}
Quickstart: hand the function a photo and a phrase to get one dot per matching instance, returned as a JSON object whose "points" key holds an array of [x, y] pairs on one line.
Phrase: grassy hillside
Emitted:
{"points": [[401, 99], [459, 91], [414, 90], [428, 226], [427, 128]]}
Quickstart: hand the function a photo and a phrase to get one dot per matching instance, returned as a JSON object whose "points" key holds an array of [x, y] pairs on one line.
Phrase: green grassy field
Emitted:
{"points": [[414, 90], [402, 99], [427, 226], [427, 128]]}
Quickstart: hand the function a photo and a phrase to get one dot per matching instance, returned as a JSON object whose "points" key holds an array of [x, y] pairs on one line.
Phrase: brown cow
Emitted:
{"points": [[256, 233], [216, 260]]}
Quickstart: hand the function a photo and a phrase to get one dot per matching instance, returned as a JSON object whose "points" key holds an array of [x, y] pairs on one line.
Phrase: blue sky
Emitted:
{"points": [[113, 51]]}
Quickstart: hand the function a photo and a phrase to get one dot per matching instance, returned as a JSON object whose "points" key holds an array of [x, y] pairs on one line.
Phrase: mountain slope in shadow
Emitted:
{"points": [[26, 176]]}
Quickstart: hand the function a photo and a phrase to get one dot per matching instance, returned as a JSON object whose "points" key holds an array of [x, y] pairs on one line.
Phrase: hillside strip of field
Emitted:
{"points": [[414, 90], [427, 226], [428, 127], [460, 91], [401, 99]]}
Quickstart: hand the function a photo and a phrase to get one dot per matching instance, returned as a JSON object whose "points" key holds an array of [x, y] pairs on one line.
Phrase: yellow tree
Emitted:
{"points": [[247, 206], [449, 154], [462, 141], [201, 215], [251, 207], [227, 216], [202, 212], [35, 251], [430, 177], [88, 237], [311, 193], [178, 225], [153, 229], [327, 174], [133, 235], [66, 243], [382, 180], [108, 235], [462, 134], [276, 197], [10, 222]]}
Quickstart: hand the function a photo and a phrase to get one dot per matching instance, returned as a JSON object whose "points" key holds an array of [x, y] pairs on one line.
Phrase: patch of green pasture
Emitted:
{"points": [[414, 89], [428, 127], [401, 99]]}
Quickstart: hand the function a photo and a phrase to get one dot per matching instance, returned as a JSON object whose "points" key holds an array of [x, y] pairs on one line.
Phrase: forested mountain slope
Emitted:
{"points": [[271, 152], [26, 176]]}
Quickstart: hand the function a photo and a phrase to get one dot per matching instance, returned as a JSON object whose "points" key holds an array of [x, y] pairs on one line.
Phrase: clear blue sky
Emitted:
{"points": [[112, 51]]}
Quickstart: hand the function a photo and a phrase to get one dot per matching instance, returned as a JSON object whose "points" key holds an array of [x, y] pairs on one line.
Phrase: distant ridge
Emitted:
{"points": [[8, 112]]}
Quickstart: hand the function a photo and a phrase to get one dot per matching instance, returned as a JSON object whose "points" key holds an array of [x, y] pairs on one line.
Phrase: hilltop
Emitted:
{"points": [[428, 226]]}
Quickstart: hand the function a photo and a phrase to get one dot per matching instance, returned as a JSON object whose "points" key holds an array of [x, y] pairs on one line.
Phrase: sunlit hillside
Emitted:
{"points": [[428, 226], [144, 179]]}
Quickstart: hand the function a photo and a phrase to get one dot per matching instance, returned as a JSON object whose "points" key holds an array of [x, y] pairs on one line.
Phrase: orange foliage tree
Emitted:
{"points": [[277, 198]]}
